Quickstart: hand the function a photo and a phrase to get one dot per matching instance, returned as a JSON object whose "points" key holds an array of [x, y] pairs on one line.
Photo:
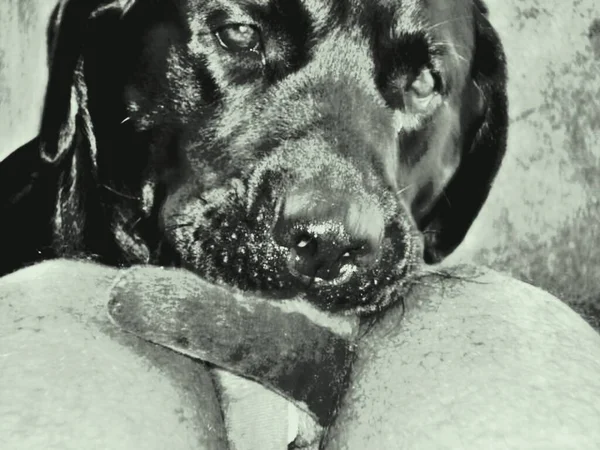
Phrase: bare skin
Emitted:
{"points": [[70, 380], [488, 363]]}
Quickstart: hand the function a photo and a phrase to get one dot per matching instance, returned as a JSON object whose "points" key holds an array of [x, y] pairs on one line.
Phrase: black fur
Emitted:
{"points": [[450, 219], [159, 146]]}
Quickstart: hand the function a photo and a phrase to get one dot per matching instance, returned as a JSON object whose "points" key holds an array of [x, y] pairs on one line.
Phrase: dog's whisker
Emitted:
{"points": [[447, 199], [404, 189], [120, 194], [444, 22], [452, 48], [179, 225], [449, 44], [135, 223]]}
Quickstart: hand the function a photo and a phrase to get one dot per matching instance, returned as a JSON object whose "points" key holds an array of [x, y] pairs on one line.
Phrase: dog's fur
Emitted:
{"points": [[158, 145]]}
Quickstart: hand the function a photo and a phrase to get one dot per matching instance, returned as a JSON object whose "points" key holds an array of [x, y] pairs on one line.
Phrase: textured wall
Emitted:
{"points": [[541, 222], [22, 69]]}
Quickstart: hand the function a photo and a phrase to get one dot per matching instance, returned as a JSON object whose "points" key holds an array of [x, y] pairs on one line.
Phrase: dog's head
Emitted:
{"points": [[275, 145]]}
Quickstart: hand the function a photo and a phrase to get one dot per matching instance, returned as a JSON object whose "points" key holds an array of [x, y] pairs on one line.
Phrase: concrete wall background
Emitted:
{"points": [[542, 221], [22, 69]]}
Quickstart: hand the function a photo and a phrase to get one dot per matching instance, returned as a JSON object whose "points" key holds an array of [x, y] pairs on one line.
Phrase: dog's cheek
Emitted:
{"points": [[179, 217], [142, 112]]}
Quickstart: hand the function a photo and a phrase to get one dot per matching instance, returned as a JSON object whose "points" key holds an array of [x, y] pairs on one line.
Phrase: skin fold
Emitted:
{"points": [[479, 361], [70, 380]]}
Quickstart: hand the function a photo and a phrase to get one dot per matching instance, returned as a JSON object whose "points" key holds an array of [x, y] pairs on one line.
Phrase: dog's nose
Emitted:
{"points": [[329, 236]]}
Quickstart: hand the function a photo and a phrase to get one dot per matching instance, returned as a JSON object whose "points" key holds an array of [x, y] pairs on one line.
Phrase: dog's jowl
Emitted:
{"points": [[321, 147]]}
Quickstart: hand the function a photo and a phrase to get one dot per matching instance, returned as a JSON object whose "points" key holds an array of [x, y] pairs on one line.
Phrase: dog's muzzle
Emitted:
{"points": [[330, 235], [311, 225]]}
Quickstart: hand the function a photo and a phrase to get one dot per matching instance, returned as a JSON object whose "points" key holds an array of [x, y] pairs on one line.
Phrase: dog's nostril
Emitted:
{"points": [[323, 252], [306, 246], [329, 235]]}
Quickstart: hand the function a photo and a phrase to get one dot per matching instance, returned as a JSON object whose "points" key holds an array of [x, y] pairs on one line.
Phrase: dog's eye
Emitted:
{"points": [[239, 38], [422, 91]]}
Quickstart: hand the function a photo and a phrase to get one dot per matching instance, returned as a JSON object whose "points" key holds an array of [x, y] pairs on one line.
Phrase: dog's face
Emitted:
{"points": [[282, 146]]}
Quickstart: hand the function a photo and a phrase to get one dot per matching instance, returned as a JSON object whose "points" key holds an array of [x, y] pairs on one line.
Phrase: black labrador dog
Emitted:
{"points": [[321, 147]]}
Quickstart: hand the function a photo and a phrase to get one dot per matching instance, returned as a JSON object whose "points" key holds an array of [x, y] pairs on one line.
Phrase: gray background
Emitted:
{"points": [[541, 222]]}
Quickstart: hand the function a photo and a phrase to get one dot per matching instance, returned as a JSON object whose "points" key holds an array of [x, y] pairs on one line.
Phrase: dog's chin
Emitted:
{"points": [[232, 248]]}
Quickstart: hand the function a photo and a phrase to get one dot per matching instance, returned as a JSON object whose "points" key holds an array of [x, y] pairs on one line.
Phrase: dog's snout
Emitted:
{"points": [[321, 250], [329, 235]]}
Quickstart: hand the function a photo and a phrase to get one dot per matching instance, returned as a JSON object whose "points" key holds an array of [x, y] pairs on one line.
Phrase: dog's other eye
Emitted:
{"points": [[424, 85], [239, 38], [422, 91]]}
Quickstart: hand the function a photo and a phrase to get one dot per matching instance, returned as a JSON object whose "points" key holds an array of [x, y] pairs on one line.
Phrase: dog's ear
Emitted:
{"points": [[483, 147], [65, 111], [66, 137]]}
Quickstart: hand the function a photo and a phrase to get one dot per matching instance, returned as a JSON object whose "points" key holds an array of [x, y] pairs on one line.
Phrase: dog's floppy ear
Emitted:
{"points": [[447, 223], [65, 105], [66, 137]]}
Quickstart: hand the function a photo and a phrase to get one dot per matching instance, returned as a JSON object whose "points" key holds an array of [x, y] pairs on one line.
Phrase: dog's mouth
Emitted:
{"points": [[346, 272], [225, 243]]}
